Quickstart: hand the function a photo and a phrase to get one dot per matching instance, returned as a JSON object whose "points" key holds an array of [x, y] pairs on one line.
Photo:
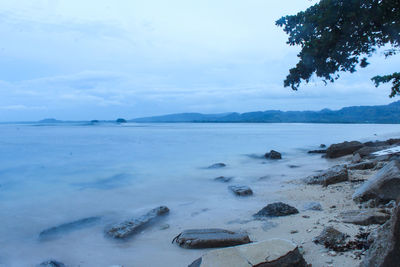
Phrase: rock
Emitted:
{"points": [[330, 237], [269, 253], [322, 146], [223, 179], [333, 175], [65, 228], [120, 120], [385, 250], [356, 158], [313, 206], [393, 141], [210, 238], [343, 149], [51, 263], [317, 151], [276, 209], [129, 227], [364, 217], [383, 186], [241, 190], [273, 155], [362, 165], [217, 165], [368, 150]]}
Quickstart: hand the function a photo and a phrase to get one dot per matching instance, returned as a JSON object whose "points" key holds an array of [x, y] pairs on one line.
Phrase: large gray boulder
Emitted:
{"points": [[343, 149], [383, 186], [364, 217], [210, 238], [275, 210], [333, 175], [385, 250], [269, 253], [132, 226]]}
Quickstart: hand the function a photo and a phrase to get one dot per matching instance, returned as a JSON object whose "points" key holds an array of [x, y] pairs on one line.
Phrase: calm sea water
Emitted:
{"points": [[53, 174]]}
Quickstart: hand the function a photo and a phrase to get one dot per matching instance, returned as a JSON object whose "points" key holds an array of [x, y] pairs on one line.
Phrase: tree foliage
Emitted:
{"points": [[339, 35]]}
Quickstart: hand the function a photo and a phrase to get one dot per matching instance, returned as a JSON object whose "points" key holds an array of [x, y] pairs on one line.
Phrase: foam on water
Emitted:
{"points": [[52, 175]]}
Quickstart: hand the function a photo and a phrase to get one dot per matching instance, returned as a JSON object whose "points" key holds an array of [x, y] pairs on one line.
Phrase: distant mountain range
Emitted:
{"points": [[357, 114]]}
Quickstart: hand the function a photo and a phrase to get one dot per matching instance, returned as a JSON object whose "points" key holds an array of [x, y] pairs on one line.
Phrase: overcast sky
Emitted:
{"points": [[103, 59]]}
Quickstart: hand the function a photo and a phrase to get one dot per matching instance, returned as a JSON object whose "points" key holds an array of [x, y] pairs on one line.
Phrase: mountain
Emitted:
{"points": [[357, 114]]}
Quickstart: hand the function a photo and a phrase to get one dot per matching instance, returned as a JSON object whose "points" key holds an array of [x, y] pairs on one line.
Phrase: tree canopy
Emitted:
{"points": [[339, 35]]}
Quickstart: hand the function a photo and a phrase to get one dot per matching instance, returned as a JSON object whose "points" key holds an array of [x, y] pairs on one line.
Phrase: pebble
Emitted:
{"points": [[332, 253], [309, 230], [294, 232], [306, 216], [329, 261]]}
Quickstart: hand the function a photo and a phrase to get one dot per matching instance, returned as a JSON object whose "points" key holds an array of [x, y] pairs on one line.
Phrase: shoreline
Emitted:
{"points": [[334, 200]]}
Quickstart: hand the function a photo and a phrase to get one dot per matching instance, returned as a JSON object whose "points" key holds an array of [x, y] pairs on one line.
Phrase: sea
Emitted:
{"points": [[57, 173]]}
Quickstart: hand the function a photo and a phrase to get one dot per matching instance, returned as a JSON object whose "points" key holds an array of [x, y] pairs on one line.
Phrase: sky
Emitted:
{"points": [[105, 59]]}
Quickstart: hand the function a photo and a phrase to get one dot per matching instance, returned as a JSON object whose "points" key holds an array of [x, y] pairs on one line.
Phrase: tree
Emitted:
{"points": [[339, 35]]}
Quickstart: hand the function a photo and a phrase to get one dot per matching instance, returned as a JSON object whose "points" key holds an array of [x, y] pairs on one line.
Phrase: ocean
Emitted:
{"points": [[58, 173]]}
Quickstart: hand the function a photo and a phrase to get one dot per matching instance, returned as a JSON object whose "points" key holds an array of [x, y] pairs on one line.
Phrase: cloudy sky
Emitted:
{"points": [[103, 59]]}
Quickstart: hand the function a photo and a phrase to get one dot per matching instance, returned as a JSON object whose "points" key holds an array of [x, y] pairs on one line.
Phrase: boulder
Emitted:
{"points": [[131, 226], [241, 190], [217, 165], [269, 253], [364, 217], [276, 209], [343, 149], [333, 175], [273, 155], [362, 165], [383, 186], [393, 141], [322, 146], [313, 206], [368, 150], [330, 237], [223, 179], [65, 228], [385, 249], [210, 238], [51, 263]]}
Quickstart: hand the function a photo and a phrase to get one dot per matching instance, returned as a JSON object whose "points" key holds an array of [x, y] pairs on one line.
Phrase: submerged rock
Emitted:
{"points": [[385, 249], [129, 227], [273, 155], [276, 209], [364, 217], [241, 190], [330, 237], [333, 175], [65, 228], [223, 179], [51, 263], [317, 151], [343, 149], [217, 165], [210, 238], [269, 253], [383, 186]]}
